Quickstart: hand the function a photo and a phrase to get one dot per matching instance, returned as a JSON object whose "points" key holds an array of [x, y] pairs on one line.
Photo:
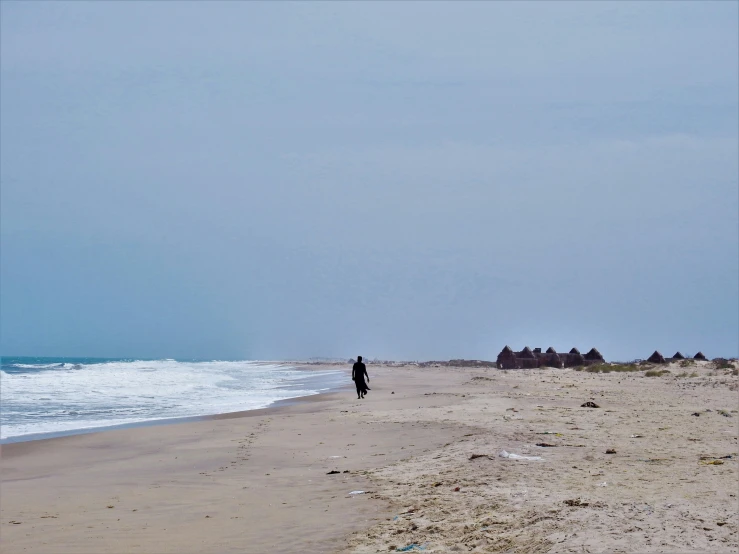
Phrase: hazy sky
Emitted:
{"points": [[398, 180]]}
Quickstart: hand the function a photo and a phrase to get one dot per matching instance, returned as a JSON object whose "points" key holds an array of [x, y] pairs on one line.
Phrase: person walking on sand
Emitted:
{"points": [[359, 371]]}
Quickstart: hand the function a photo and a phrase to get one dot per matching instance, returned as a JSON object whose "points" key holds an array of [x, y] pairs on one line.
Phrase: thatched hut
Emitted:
{"points": [[573, 359], [656, 358], [678, 356], [506, 358], [526, 353], [527, 359], [700, 356], [552, 359], [594, 356]]}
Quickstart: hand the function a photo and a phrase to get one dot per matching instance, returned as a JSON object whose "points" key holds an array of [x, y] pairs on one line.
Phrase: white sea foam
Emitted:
{"points": [[56, 398]]}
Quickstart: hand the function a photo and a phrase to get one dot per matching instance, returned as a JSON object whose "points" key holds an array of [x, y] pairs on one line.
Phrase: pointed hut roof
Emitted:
{"points": [[551, 359], [656, 358], [700, 356], [593, 354], [506, 350], [551, 350], [526, 353], [574, 351], [678, 356]]}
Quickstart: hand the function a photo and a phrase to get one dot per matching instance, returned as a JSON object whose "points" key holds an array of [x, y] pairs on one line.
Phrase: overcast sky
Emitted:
{"points": [[399, 180]]}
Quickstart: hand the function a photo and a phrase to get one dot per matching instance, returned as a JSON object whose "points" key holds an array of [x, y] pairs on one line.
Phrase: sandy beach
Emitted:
{"points": [[425, 447]]}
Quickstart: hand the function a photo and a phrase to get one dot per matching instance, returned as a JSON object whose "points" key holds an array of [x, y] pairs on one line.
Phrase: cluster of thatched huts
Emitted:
{"points": [[527, 358], [658, 358]]}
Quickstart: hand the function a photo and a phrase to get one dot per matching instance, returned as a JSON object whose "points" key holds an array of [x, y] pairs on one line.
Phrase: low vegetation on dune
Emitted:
{"points": [[651, 370], [685, 374], [722, 363], [656, 372]]}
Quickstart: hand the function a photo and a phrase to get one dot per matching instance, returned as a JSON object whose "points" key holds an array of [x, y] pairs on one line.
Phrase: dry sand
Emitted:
{"points": [[258, 483]]}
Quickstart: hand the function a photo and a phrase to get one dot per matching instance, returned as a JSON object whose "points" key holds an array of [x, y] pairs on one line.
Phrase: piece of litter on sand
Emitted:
{"points": [[637, 436], [414, 546], [727, 457], [335, 456], [512, 456], [611, 451], [603, 484], [545, 445], [589, 405], [357, 492]]}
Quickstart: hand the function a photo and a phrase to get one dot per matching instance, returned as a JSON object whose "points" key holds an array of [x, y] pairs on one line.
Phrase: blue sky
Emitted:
{"points": [[398, 180]]}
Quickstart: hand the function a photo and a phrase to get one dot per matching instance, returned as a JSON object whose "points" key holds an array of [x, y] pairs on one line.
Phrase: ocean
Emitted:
{"points": [[41, 397]]}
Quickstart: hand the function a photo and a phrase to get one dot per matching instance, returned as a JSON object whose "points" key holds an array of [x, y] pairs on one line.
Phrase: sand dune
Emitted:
{"points": [[667, 488]]}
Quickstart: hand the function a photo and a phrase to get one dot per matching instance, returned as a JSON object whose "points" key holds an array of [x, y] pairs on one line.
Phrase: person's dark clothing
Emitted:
{"points": [[359, 371]]}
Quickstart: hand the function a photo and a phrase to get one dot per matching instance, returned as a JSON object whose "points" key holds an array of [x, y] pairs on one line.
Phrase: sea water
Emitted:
{"points": [[63, 395]]}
